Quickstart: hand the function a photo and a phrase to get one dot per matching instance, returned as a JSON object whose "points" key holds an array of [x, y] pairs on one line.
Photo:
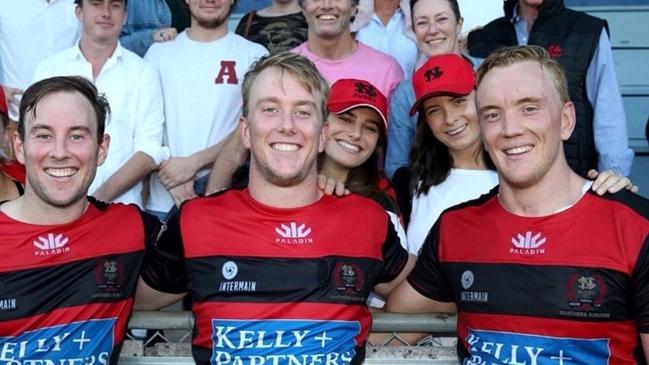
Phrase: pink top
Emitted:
{"points": [[378, 68]]}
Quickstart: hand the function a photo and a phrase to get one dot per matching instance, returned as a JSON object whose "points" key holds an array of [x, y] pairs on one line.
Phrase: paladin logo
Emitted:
{"points": [[528, 244], [292, 233], [51, 244]]}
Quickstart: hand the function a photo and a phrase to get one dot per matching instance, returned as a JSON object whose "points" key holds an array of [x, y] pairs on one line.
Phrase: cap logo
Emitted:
{"points": [[433, 73], [365, 90]]}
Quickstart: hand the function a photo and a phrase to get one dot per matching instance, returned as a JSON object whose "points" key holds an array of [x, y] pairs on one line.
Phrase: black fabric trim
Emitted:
{"points": [[558, 292], [636, 202], [68, 285], [332, 279]]}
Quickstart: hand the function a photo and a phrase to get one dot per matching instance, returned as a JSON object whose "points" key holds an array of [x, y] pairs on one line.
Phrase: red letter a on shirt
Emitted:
{"points": [[227, 70]]}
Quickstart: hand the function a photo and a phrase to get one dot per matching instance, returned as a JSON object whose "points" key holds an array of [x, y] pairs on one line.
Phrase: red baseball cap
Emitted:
{"points": [[348, 94], [447, 74], [3, 105]]}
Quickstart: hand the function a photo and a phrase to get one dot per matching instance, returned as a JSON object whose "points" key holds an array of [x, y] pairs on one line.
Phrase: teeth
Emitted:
{"points": [[61, 172], [284, 147], [352, 148], [457, 130], [327, 17], [518, 150]]}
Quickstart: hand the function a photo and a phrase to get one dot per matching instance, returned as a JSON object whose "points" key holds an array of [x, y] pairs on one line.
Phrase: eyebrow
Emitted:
{"points": [[276, 100], [47, 127]]}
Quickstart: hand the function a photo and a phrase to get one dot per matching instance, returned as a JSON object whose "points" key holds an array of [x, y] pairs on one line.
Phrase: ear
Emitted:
{"points": [[102, 151], [19, 147], [322, 138], [78, 12], [568, 120], [458, 27], [245, 131]]}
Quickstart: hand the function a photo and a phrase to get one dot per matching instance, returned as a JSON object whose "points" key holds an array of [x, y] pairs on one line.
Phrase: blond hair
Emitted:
{"points": [[511, 55], [301, 68]]}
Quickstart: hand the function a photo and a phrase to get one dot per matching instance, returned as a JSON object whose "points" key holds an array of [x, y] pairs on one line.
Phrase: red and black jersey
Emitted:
{"points": [[280, 286], [66, 291], [572, 287]]}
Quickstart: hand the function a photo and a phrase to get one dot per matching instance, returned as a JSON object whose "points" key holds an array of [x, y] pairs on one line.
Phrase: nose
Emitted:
{"points": [[105, 9], [287, 123], [432, 28], [511, 125], [354, 131], [59, 149], [326, 4]]}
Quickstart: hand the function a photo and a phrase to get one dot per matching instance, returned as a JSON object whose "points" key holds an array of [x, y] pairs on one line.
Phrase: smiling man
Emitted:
{"points": [[335, 52], [541, 270], [67, 276], [132, 88], [278, 273], [201, 72]]}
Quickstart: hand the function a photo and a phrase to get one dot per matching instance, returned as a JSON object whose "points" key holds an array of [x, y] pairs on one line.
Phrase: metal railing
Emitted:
{"points": [[170, 342]]}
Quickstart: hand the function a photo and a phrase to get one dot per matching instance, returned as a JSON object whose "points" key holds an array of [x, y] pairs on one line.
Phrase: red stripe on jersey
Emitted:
{"points": [[608, 237], [120, 310], [95, 233], [330, 227], [205, 312]]}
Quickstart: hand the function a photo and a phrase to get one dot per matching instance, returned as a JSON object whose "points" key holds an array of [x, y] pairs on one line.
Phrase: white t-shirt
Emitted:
{"points": [[201, 86], [136, 121], [460, 186], [31, 30]]}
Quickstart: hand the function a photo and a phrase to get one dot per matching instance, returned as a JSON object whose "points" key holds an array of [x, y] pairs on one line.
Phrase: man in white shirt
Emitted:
{"points": [[31, 30], [133, 90], [201, 72]]}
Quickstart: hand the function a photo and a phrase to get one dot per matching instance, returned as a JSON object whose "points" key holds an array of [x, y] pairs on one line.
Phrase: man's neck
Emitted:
{"points": [[300, 195], [31, 210], [332, 49], [385, 9], [529, 13], [556, 190], [281, 8], [96, 53], [199, 34]]}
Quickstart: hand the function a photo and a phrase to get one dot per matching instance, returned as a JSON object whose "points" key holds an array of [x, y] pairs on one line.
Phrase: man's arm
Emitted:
{"points": [[609, 121], [163, 276], [405, 299], [179, 170], [384, 289], [147, 298], [644, 339], [229, 158], [132, 172]]}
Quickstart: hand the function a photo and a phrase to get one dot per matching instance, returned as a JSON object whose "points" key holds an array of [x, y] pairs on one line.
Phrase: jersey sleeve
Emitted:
{"points": [[640, 289], [394, 255], [164, 267], [427, 277]]}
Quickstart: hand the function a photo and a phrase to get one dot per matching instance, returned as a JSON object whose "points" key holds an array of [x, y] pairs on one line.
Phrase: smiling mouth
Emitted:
{"points": [[284, 147], [61, 172], [327, 17], [518, 150], [436, 41], [348, 147], [458, 130]]}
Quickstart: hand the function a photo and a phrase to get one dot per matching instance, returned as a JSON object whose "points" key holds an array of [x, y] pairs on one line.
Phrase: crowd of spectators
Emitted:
{"points": [[379, 98]]}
